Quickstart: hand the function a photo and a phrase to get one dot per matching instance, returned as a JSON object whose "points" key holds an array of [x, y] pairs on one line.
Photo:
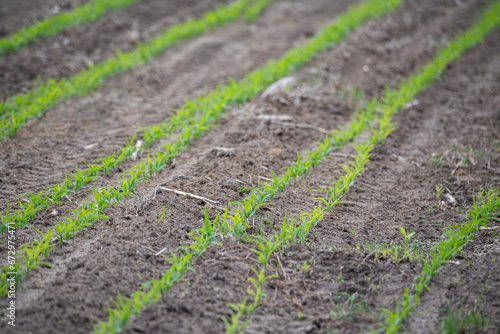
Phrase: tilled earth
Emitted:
{"points": [[343, 286]]}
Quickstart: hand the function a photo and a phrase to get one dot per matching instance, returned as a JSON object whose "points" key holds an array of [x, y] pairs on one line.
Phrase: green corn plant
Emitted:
{"points": [[124, 308], [59, 191], [153, 166], [129, 148], [5, 220], [406, 235], [266, 249], [31, 256], [258, 284], [65, 230], [159, 217], [103, 198], [38, 200], [81, 178], [288, 231], [233, 325], [244, 310], [118, 195], [21, 217], [109, 163], [92, 170]]}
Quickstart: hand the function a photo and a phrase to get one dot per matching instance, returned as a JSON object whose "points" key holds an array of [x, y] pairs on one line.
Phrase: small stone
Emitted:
{"points": [[275, 152], [280, 86]]}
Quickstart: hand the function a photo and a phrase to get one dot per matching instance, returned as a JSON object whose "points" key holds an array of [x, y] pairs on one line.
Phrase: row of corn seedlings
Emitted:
{"points": [[17, 110], [73, 183], [91, 11], [456, 238]]}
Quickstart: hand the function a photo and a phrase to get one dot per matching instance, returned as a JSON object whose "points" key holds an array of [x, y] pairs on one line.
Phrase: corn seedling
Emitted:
{"points": [[439, 191], [244, 310], [160, 216], [233, 326], [266, 249]]}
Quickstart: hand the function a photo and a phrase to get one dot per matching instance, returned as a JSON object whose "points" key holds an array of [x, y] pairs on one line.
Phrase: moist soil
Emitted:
{"points": [[448, 139]]}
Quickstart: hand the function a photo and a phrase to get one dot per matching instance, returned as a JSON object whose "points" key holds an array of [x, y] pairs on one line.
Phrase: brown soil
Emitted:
{"points": [[458, 116]]}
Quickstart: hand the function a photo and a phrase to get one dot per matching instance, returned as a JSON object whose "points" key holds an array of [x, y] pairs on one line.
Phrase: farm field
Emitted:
{"points": [[251, 166]]}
